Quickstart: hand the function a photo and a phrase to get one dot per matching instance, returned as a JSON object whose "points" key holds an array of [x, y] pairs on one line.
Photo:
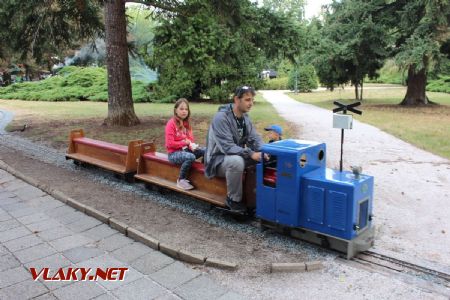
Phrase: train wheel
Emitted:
{"points": [[251, 212], [79, 163], [155, 188], [129, 178], [260, 225], [152, 187], [324, 242]]}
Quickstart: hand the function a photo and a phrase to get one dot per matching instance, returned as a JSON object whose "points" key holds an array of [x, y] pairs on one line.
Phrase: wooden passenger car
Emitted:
{"points": [[120, 159], [141, 161], [155, 168]]}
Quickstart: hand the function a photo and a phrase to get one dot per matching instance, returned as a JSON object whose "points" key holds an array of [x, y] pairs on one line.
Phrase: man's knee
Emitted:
{"points": [[234, 163]]}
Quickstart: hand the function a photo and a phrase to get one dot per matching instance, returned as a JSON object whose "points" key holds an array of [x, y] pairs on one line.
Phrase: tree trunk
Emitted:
{"points": [[27, 72], [415, 93], [196, 92], [356, 91], [120, 102], [361, 92], [6, 78]]}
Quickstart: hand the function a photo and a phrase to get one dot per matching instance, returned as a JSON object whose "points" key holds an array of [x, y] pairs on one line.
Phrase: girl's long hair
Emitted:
{"points": [[180, 123]]}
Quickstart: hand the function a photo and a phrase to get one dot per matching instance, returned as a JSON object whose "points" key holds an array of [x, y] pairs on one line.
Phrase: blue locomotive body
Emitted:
{"points": [[323, 205]]}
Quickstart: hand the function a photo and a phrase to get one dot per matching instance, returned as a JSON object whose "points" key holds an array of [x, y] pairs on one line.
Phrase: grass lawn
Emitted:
{"points": [[425, 127], [50, 122]]}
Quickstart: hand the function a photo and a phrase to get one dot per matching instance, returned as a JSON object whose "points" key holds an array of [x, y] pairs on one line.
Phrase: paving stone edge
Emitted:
{"points": [[131, 232]]}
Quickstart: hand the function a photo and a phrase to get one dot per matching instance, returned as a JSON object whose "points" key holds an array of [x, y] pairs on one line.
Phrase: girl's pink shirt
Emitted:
{"points": [[175, 138]]}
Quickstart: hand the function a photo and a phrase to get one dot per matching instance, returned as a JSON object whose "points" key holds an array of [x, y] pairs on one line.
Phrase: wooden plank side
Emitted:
{"points": [[77, 133], [97, 162], [101, 154], [215, 186], [218, 200], [132, 158]]}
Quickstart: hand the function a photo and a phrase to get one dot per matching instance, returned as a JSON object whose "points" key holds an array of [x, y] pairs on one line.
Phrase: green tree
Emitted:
{"points": [[352, 45], [303, 78], [42, 29], [421, 33], [206, 53], [294, 9]]}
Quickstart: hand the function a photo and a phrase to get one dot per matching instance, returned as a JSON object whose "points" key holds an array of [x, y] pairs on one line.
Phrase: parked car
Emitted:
{"points": [[269, 74]]}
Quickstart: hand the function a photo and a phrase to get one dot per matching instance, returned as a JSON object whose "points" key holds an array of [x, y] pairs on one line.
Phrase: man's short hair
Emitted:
{"points": [[240, 91]]}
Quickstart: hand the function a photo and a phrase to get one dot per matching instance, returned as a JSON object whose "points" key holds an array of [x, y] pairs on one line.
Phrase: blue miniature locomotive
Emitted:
{"points": [[314, 203]]}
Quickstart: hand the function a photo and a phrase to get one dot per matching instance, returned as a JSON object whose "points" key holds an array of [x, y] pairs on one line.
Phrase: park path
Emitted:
{"points": [[5, 118], [412, 186], [38, 231]]}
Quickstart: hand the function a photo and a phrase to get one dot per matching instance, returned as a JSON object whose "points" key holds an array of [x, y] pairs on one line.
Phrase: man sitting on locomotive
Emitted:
{"points": [[233, 144]]}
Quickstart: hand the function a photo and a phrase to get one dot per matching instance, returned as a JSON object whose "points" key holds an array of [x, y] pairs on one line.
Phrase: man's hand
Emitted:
{"points": [[256, 156]]}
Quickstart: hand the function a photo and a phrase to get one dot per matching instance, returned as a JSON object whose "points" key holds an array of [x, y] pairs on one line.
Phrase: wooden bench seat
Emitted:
{"points": [[155, 168], [117, 158], [121, 149]]}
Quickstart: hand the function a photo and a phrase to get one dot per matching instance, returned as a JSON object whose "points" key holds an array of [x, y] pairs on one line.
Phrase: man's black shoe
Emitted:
{"points": [[235, 206]]}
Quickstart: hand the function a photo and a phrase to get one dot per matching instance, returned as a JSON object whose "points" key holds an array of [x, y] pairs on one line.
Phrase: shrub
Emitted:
{"points": [[71, 84], [306, 79], [442, 84], [389, 73], [280, 83], [218, 94]]}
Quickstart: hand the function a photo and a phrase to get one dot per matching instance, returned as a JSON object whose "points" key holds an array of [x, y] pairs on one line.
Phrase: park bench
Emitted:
{"points": [[120, 159], [155, 168]]}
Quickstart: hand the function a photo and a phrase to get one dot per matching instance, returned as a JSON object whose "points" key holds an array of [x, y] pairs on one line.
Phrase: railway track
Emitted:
{"points": [[404, 267]]}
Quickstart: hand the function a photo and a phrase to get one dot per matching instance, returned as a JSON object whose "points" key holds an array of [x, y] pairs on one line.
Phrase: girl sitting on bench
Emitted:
{"points": [[180, 142]]}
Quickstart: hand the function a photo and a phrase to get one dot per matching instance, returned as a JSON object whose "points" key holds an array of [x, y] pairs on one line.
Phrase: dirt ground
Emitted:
{"points": [[191, 225]]}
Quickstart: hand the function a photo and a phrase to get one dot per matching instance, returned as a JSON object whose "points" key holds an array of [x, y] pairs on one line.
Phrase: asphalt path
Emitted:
{"points": [[5, 118]]}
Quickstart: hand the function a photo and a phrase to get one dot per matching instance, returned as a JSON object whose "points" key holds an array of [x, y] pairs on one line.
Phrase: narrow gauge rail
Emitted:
{"points": [[401, 266]]}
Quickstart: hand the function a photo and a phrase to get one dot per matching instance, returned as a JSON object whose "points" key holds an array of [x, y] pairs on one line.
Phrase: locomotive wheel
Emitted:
{"points": [[251, 212], [260, 225], [324, 242]]}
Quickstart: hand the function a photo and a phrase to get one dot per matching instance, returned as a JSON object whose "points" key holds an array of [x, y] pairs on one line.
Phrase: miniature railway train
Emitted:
{"points": [[297, 194]]}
